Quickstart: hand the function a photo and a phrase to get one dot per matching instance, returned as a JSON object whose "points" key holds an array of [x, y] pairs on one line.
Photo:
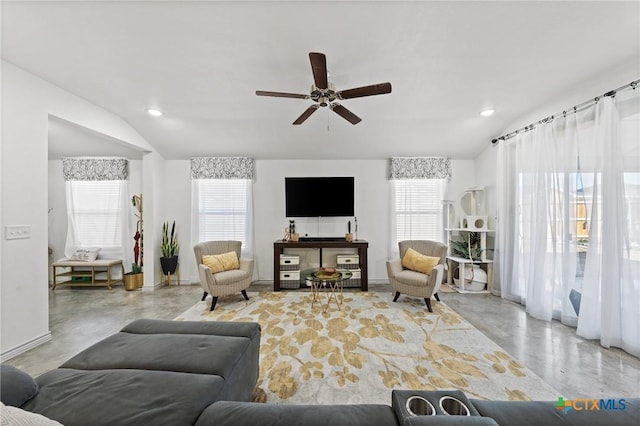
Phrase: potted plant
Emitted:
{"points": [[469, 248], [133, 280], [169, 249]]}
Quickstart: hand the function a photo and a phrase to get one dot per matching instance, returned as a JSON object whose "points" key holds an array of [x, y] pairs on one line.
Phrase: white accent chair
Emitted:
{"points": [[414, 283], [225, 282]]}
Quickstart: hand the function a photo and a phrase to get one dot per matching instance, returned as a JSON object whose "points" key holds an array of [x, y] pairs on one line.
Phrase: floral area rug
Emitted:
{"points": [[359, 353]]}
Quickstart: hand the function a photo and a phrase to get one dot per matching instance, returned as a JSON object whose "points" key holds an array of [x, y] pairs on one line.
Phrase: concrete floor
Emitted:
{"points": [[576, 367]]}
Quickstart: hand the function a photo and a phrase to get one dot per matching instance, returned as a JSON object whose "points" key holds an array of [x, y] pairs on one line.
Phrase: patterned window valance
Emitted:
{"points": [[83, 168], [221, 168], [420, 168]]}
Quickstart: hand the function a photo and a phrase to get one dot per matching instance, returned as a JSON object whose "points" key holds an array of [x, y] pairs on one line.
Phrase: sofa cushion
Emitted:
{"points": [[544, 413], [248, 413], [124, 397], [185, 353], [442, 420], [16, 386], [250, 330], [419, 262], [228, 349]]}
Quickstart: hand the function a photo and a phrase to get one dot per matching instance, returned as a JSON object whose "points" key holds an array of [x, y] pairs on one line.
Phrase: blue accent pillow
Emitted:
{"points": [[16, 386]]}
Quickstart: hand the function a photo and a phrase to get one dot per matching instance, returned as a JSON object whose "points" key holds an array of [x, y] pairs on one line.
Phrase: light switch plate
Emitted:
{"points": [[15, 232]]}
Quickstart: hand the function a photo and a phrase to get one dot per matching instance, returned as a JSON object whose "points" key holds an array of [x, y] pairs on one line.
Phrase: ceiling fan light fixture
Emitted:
{"points": [[154, 112], [487, 112]]}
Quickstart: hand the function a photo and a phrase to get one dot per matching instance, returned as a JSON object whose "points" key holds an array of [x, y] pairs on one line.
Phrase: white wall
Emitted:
{"points": [[153, 190], [371, 208], [27, 101], [178, 207]]}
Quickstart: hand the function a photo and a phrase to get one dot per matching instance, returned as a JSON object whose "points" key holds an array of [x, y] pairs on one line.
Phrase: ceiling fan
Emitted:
{"points": [[323, 92]]}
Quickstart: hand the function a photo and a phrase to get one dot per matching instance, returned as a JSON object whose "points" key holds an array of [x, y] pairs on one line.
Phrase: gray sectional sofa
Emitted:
{"points": [[203, 373], [150, 373], [480, 413]]}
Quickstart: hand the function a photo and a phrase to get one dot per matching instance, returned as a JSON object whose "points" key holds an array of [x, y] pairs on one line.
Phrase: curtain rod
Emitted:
{"points": [[564, 113]]}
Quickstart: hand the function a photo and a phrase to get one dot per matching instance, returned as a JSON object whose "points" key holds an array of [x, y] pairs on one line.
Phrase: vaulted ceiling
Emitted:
{"points": [[201, 63]]}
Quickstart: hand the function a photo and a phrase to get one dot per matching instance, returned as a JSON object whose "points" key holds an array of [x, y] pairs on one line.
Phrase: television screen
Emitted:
{"points": [[319, 196]]}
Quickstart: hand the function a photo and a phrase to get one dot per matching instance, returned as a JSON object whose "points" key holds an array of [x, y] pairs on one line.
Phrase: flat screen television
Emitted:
{"points": [[319, 196]]}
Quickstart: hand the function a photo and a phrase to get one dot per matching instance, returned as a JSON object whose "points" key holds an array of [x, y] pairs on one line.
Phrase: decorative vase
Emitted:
{"points": [[169, 265]]}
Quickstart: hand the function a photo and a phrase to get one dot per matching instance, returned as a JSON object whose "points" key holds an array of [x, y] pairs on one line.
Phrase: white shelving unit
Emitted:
{"points": [[463, 262], [451, 230]]}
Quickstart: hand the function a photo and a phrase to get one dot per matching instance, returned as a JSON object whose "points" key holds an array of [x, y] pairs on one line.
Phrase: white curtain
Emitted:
{"points": [[99, 215], [569, 220]]}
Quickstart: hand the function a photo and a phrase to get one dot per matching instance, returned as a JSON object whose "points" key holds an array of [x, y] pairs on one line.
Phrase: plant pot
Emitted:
{"points": [[169, 265], [140, 278], [130, 281]]}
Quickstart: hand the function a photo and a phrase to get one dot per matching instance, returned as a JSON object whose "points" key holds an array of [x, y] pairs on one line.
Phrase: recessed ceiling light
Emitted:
{"points": [[487, 112], [154, 112]]}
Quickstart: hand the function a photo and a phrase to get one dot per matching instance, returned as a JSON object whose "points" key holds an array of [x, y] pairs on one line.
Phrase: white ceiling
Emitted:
{"points": [[69, 140], [201, 63]]}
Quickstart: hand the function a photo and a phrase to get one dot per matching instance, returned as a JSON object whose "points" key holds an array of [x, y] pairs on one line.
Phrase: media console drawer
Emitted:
{"points": [[348, 261], [289, 262]]}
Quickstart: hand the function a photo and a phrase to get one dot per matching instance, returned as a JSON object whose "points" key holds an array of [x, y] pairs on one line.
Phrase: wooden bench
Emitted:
{"points": [[84, 270]]}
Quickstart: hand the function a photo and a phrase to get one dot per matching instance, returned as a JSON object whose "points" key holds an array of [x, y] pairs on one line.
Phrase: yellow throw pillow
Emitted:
{"points": [[419, 262], [221, 262]]}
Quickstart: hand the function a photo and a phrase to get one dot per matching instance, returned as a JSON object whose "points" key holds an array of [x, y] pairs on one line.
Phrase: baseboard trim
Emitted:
{"points": [[18, 350]]}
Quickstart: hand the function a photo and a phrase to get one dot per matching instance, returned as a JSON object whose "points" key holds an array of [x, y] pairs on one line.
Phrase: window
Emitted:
{"points": [[223, 211], [95, 215], [417, 209]]}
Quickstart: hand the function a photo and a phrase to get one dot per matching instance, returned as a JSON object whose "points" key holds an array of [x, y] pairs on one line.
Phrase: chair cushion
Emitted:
{"points": [[221, 262], [410, 277], [16, 386], [419, 262], [230, 277]]}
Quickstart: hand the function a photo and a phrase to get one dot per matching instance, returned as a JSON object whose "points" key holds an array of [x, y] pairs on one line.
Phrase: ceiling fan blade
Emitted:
{"points": [[281, 94], [306, 114], [345, 113], [319, 69], [359, 92]]}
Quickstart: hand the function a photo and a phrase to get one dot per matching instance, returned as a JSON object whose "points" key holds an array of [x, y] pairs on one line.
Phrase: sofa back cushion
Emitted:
{"points": [[232, 413], [16, 386]]}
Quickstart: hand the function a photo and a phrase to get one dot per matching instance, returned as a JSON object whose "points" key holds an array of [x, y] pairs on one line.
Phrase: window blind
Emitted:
{"points": [[223, 211], [418, 209], [96, 213]]}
